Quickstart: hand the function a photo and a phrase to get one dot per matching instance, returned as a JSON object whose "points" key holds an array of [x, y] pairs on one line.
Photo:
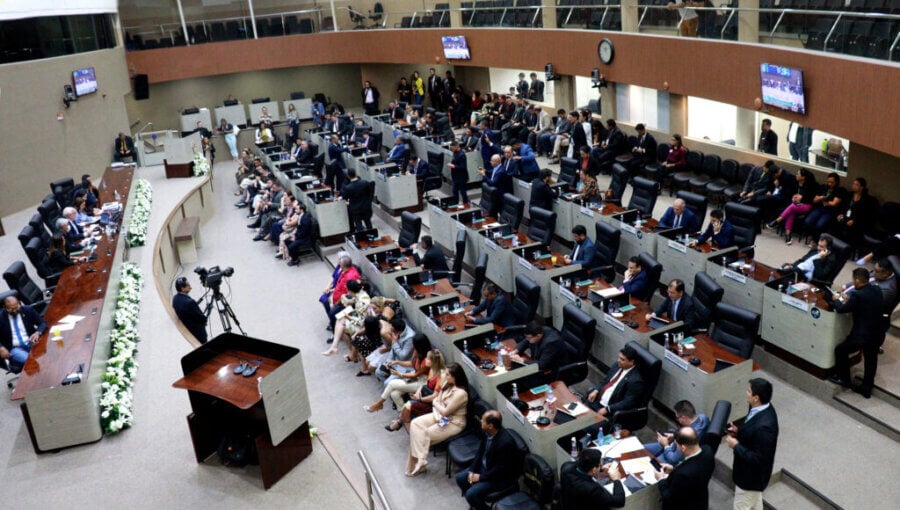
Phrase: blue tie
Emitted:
{"points": [[16, 320]]}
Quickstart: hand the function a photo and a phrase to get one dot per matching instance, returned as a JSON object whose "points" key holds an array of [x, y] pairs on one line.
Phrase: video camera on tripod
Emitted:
{"points": [[212, 278]]}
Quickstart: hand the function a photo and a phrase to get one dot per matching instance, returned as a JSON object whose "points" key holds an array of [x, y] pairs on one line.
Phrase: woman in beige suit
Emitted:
{"points": [[447, 419]]}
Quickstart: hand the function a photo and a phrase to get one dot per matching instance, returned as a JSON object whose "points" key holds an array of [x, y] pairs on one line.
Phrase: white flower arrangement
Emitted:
{"points": [[201, 164], [121, 368], [140, 214]]}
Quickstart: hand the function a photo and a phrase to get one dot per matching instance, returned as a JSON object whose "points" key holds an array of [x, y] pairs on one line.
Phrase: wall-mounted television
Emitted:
{"points": [[782, 87], [455, 47], [85, 81]]}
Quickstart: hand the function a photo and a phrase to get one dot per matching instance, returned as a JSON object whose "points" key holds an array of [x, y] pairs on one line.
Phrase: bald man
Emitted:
{"points": [[678, 215], [685, 485], [497, 176], [496, 466]]}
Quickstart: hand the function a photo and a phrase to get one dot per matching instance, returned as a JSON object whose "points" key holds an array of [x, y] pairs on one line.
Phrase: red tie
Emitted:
{"points": [[611, 382]]}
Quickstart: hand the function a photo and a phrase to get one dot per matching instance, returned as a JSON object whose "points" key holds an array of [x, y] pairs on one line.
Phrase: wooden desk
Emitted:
{"points": [[560, 295], [541, 271], [501, 256], [443, 222], [683, 262], [359, 249], [271, 406], [382, 269], [485, 381], [588, 214], [438, 330], [636, 239], [59, 416], [743, 287], [410, 303]]}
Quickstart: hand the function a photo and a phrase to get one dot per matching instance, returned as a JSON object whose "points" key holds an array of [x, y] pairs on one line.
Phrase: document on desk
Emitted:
{"points": [[64, 326], [621, 447], [638, 465], [608, 292], [577, 410], [71, 319]]}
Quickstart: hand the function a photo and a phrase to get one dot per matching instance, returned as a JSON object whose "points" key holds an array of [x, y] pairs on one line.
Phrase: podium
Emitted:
{"points": [[179, 160], [271, 406]]}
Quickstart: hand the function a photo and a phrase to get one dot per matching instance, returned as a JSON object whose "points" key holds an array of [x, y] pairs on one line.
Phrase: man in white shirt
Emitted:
{"points": [[621, 389]]}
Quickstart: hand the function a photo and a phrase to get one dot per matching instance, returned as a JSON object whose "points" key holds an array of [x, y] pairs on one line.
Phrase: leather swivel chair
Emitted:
{"points": [[654, 271], [697, 204], [578, 335], [718, 424], [410, 227], [542, 226], [735, 329], [526, 299], [606, 249], [490, 200], [707, 294], [16, 277], [746, 222], [512, 210], [643, 196]]}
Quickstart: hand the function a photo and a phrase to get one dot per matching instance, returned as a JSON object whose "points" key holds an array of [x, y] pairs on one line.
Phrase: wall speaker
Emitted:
{"points": [[141, 87]]}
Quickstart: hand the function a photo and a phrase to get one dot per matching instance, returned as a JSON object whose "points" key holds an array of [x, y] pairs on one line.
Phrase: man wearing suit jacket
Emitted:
{"points": [[644, 152], [496, 466], [666, 448], [636, 280], [188, 311], [542, 194], [417, 167], [74, 242], [496, 307], [435, 89], [614, 145], [754, 447], [123, 147], [370, 98], [399, 152], [20, 328], [522, 87], [678, 215], [536, 89], [497, 176], [867, 333], [768, 140], [359, 202], [434, 259], [720, 231], [819, 263], [337, 167], [528, 167], [459, 173], [685, 486], [583, 250], [622, 387], [545, 346], [303, 236], [580, 485], [677, 306]]}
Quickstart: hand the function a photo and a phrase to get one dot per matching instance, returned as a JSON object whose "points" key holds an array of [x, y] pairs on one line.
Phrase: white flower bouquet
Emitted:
{"points": [[140, 215]]}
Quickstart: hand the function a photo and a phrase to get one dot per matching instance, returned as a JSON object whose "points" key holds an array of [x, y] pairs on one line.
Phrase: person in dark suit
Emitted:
{"points": [[188, 311], [754, 446], [74, 241], [496, 307], [622, 387], [678, 215], [677, 306], [57, 256], [370, 97], [581, 488], [545, 347], [359, 202], [685, 486], [528, 167], [522, 87], [123, 147], [417, 167], [819, 263], [614, 145], [768, 140], [20, 328], [636, 280], [542, 194], [644, 152], [335, 170], [496, 466], [304, 236], [399, 152], [720, 231], [866, 335], [435, 89], [583, 249], [536, 89], [497, 175], [434, 259], [204, 132], [459, 173]]}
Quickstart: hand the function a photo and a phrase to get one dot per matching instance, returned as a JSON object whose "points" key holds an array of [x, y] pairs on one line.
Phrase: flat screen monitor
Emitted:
{"points": [[85, 81], [782, 87], [455, 47]]}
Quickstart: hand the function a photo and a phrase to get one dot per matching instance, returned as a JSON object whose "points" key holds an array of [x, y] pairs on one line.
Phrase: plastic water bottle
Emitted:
{"points": [[780, 288], [500, 354], [681, 347], [466, 346], [574, 452], [515, 391], [724, 265], [771, 276], [551, 398], [666, 338], [116, 194]]}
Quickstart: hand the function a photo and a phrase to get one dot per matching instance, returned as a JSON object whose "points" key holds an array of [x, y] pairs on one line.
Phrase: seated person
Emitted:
{"points": [[588, 189], [545, 347], [686, 416], [496, 307], [497, 464], [580, 482], [406, 376], [57, 255], [303, 237], [420, 401], [302, 153], [819, 263], [676, 159], [719, 231], [636, 279], [583, 250], [20, 328], [621, 389], [356, 304], [401, 349], [399, 152], [677, 306], [542, 194], [417, 167], [434, 259], [123, 148], [678, 215], [447, 419], [82, 214], [74, 242]]}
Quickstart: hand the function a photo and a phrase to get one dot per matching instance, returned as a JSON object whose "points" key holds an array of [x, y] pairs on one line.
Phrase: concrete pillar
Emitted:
{"points": [[548, 13], [678, 121], [564, 93], [748, 21], [456, 20], [630, 15], [746, 129]]}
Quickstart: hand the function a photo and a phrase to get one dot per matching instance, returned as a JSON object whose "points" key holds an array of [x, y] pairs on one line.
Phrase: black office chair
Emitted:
{"points": [[606, 249], [707, 294], [26, 234], [435, 169], [512, 210], [490, 200], [694, 170], [656, 172], [526, 300], [480, 276], [578, 336], [715, 189], [718, 424], [735, 329], [537, 486], [746, 222], [568, 172], [542, 226], [410, 227], [62, 190], [654, 271], [459, 256], [50, 212], [37, 255], [650, 367], [461, 449], [733, 191], [697, 204], [709, 170], [16, 277], [643, 196], [618, 184], [37, 223]]}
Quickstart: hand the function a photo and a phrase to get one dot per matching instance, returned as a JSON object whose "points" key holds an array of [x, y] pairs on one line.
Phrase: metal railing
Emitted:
{"points": [[373, 488]]}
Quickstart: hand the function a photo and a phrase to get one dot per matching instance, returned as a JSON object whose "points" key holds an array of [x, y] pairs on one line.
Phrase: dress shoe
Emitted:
{"points": [[255, 224], [259, 237], [240, 205], [864, 392], [837, 380], [772, 224], [292, 263]]}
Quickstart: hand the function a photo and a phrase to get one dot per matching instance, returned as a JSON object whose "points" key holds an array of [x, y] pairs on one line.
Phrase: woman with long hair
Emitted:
{"points": [[447, 419], [406, 376], [801, 203], [418, 87]]}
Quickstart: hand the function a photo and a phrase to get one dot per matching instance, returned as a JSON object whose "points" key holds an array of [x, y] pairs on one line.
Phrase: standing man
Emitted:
{"points": [[867, 333], [545, 346], [581, 487], [435, 89], [536, 89], [188, 311], [20, 328], [449, 88], [359, 203], [459, 173], [768, 140], [685, 486], [689, 17], [799, 140], [542, 194], [496, 466], [522, 87], [528, 166], [370, 98], [754, 447]]}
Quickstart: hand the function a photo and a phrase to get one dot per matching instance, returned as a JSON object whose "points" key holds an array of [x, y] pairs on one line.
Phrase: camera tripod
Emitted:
{"points": [[226, 314]]}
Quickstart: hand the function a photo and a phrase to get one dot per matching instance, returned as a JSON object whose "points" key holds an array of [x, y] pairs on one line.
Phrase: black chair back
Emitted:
{"points": [[62, 190], [577, 335], [654, 271], [697, 203], [707, 294], [842, 252], [568, 171], [460, 255], [538, 479], [435, 163], [25, 235], [526, 300], [694, 161], [728, 170], [16, 277], [662, 151], [643, 196], [313, 148], [606, 248], [711, 165], [49, 211], [410, 227], [542, 226], [490, 200], [512, 210], [745, 219], [717, 426], [480, 275], [618, 183], [735, 329]]}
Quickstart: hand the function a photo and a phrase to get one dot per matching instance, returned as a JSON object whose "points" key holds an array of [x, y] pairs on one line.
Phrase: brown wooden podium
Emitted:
{"points": [[178, 170], [271, 406]]}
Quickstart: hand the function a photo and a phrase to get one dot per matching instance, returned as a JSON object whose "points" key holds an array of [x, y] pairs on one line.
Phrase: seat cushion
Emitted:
{"points": [[462, 449], [517, 501], [683, 177]]}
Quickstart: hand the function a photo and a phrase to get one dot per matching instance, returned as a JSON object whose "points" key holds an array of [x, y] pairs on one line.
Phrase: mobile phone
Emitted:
{"points": [[572, 406], [655, 463]]}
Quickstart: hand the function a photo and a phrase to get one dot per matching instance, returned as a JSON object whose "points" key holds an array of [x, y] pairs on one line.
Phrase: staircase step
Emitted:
{"points": [[879, 412], [790, 492]]}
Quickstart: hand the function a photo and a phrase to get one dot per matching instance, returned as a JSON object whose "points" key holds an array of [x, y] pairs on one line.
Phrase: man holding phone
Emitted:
{"points": [[754, 447], [686, 485], [665, 447], [581, 487], [819, 263]]}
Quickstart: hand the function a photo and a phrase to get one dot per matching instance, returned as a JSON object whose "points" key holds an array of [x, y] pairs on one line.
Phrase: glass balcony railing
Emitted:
{"points": [[864, 28]]}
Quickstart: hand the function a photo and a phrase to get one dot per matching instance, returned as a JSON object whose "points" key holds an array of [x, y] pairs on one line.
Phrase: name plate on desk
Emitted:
{"points": [[566, 293], [525, 264], [437, 210], [490, 244], [612, 321], [791, 301], [523, 184], [734, 275], [675, 245], [381, 176], [628, 228], [677, 360], [587, 211]]}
